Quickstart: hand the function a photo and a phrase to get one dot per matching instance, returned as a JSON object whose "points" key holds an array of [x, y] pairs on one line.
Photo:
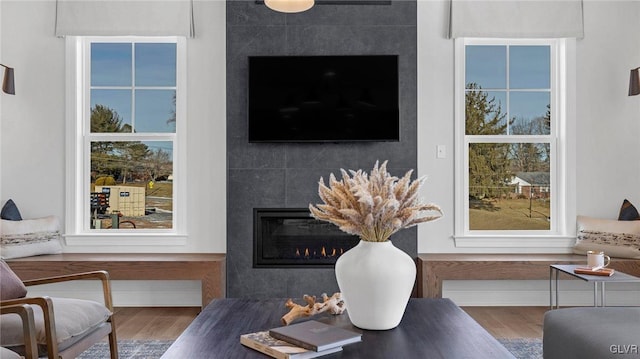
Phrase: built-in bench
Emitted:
{"points": [[433, 268], [209, 268]]}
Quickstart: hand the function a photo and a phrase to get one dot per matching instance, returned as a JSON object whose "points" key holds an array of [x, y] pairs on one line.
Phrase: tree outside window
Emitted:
{"points": [[508, 135], [131, 135]]}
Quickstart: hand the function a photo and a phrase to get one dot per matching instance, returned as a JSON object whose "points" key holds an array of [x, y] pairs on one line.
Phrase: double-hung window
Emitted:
{"points": [[129, 126], [510, 139]]}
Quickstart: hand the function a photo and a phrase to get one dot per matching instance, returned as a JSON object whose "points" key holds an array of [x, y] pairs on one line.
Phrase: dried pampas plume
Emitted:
{"points": [[373, 206]]}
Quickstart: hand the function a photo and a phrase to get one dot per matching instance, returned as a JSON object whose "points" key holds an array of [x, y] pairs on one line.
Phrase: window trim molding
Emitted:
{"points": [[76, 234], [563, 231]]}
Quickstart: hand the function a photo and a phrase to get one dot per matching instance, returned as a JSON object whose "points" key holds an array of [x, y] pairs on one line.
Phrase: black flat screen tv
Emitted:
{"points": [[323, 98]]}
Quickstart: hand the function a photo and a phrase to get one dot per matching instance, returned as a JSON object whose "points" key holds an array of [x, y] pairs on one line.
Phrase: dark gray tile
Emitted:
{"points": [[286, 175], [302, 185], [344, 40], [398, 161], [255, 40], [311, 282], [406, 240], [255, 188], [248, 12], [245, 155], [381, 14], [324, 155]]}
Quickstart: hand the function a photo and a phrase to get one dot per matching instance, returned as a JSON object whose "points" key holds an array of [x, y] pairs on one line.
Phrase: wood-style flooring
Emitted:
{"points": [[509, 322], [169, 323], [153, 323]]}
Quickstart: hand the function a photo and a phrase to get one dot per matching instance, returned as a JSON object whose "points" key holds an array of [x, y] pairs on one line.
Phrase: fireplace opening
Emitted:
{"points": [[290, 237]]}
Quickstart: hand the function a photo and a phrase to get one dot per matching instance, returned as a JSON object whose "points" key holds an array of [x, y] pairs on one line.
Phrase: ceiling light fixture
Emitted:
{"points": [[289, 6], [8, 85], [634, 82]]}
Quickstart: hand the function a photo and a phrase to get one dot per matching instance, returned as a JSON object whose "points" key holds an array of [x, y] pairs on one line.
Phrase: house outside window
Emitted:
{"points": [[129, 127], [510, 138]]}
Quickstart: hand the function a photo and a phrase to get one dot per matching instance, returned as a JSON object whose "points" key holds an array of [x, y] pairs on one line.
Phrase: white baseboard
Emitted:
{"points": [[130, 293], [536, 293], [187, 293]]}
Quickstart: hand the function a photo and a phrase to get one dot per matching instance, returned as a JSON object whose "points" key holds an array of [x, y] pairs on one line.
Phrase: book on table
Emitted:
{"points": [[279, 349], [314, 335], [607, 272]]}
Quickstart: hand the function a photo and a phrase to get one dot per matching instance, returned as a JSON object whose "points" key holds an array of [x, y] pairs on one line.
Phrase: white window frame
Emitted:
{"points": [[77, 231], [561, 235]]}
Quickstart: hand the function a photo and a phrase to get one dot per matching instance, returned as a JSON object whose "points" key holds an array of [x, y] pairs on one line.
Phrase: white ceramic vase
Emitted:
{"points": [[376, 280]]}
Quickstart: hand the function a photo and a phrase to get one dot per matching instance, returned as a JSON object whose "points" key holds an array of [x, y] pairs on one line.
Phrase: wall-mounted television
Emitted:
{"points": [[323, 98]]}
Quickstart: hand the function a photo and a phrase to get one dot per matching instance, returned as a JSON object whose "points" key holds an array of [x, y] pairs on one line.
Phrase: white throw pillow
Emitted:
{"points": [[615, 238], [30, 237]]}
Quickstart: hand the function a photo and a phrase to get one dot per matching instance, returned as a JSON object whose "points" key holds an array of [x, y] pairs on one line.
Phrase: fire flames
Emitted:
{"points": [[307, 253]]}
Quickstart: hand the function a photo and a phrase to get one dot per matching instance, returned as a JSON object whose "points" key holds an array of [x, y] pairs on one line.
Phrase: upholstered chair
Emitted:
{"points": [[60, 327], [25, 312]]}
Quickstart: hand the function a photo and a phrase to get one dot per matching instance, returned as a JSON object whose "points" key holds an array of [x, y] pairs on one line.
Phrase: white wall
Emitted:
{"points": [[608, 134], [436, 122], [32, 134], [608, 119], [32, 126], [32, 122]]}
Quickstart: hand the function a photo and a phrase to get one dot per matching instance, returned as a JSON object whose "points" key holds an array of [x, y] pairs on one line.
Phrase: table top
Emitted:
{"points": [[617, 276], [430, 328]]}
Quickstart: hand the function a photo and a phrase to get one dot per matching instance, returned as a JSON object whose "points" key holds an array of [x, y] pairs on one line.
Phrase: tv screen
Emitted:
{"points": [[323, 98]]}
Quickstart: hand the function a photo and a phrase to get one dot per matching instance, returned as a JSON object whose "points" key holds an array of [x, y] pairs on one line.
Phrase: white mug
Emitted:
{"points": [[597, 259]]}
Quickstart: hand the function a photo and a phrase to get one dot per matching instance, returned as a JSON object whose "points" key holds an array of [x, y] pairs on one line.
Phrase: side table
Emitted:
{"points": [[598, 281]]}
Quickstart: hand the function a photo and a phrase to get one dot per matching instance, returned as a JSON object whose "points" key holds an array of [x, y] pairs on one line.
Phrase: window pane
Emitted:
{"points": [[529, 67], [486, 112], [530, 112], [509, 186], [110, 64], [530, 158], [155, 111], [155, 64], [486, 66], [110, 111], [138, 177]]}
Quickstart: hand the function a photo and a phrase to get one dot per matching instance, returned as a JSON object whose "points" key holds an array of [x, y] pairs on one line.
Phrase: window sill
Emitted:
{"points": [[125, 239], [515, 241]]}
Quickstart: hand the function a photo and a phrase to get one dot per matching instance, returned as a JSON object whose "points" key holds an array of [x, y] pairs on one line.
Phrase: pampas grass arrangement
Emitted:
{"points": [[373, 206]]}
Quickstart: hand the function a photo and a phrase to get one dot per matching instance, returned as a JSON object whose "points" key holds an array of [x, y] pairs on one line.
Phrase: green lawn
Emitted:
{"points": [[509, 214]]}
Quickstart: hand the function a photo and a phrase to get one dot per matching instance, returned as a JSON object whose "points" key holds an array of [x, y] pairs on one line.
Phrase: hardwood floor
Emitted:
{"points": [[509, 322], [165, 323], [168, 323]]}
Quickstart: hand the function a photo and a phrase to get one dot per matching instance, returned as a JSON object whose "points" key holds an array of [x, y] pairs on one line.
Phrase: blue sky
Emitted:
{"points": [[112, 79], [529, 76]]}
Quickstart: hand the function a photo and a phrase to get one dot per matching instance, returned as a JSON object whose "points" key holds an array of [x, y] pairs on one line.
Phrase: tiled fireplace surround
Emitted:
{"points": [[286, 175]]}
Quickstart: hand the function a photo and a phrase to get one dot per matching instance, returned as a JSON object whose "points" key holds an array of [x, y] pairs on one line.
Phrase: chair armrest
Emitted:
{"points": [[49, 320], [28, 327], [103, 276]]}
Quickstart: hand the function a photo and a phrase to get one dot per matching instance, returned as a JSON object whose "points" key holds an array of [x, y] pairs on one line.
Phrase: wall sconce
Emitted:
{"points": [[289, 6], [8, 85], [634, 82]]}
